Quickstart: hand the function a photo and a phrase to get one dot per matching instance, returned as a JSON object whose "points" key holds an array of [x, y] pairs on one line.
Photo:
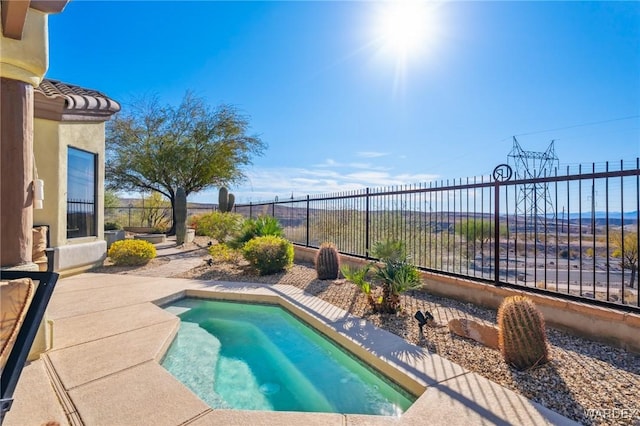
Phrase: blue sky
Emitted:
{"points": [[342, 107]]}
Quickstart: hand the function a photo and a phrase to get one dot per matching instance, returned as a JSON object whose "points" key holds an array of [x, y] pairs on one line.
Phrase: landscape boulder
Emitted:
{"points": [[484, 333]]}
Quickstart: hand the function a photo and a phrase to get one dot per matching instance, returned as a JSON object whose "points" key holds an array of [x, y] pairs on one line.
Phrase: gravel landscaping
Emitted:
{"points": [[587, 381]]}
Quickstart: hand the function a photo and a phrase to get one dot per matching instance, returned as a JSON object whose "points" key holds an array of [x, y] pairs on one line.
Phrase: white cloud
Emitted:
{"points": [[371, 154], [326, 177], [264, 184], [330, 163], [326, 163]]}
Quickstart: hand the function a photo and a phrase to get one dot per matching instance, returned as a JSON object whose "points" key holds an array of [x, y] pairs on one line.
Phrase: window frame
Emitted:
{"points": [[93, 232]]}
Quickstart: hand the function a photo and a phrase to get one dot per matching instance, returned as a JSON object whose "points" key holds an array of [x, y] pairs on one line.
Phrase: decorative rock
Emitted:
{"points": [[484, 333]]}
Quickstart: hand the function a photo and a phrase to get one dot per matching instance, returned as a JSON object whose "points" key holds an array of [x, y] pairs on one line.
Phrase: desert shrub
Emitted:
{"points": [[259, 227], [222, 253], [131, 252], [630, 297], [112, 226], [567, 254], [217, 225], [269, 254], [193, 222]]}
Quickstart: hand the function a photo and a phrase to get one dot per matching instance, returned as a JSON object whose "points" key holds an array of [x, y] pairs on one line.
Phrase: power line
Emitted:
{"points": [[593, 123]]}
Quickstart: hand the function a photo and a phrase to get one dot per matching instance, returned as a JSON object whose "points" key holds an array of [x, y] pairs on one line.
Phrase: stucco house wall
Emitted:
{"points": [[69, 116]]}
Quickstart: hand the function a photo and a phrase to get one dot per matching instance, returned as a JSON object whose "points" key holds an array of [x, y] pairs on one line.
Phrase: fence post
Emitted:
{"points": [[307, 227], [366, 226], [502, 173], [496, 234], [250, 211]]}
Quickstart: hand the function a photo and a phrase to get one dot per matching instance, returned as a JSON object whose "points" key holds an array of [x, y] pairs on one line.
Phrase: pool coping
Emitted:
{"points": [[104, 364]]}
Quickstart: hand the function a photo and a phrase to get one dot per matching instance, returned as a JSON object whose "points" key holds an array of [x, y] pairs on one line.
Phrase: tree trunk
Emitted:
{"points": [[632, 280], [172, 230]]}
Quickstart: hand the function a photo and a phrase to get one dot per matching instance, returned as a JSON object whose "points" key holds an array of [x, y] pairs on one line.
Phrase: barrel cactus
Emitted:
{"points": [[327, 262], [226, 200], [180, 214], [522, 337]]}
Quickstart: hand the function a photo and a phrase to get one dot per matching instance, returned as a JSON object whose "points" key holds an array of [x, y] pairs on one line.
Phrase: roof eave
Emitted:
{"points": [[14, 14]]}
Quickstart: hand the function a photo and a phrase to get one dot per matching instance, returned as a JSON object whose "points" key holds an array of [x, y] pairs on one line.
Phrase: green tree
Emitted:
{"points": [[151, 147], [111, 199], [154, 213], [626, 249], [479, 230]]}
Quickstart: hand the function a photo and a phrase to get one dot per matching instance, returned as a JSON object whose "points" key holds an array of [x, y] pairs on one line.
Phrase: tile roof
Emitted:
{"points": [[61, 101]]}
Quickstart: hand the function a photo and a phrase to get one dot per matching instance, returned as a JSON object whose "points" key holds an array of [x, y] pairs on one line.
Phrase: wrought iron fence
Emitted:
{"points": [[573, 235]]}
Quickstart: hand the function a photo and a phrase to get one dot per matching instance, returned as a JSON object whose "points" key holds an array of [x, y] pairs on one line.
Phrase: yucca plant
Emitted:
{"points": [[396, 273], [522, 337], [397, 276], [390, 250]]}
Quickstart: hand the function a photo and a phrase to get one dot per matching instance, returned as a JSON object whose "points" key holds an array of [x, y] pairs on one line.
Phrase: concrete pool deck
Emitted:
{"points": [[109, 335]]}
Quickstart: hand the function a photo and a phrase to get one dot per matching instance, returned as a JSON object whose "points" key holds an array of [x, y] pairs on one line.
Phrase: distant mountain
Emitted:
{"points": [[603, 215]]}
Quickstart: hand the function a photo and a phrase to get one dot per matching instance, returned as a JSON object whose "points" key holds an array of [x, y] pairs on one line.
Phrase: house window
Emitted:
{"points": [[81, 193]]}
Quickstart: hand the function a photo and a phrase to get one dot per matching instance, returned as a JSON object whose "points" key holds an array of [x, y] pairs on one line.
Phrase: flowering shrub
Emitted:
{"points": [[269, 254], [131, 252], [217, 225], [222, 253]]}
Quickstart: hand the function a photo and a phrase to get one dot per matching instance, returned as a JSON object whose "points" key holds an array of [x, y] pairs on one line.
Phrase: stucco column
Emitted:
{"points": [[16, 173]]}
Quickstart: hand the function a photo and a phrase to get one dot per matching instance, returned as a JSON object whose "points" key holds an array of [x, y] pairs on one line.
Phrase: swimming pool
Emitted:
{"points": [[260, 357]]}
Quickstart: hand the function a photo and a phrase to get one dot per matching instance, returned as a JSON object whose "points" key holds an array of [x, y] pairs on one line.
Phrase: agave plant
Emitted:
{"points": [[395, 273]]}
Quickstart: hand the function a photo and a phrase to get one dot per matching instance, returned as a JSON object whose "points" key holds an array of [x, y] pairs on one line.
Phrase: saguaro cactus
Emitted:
{"points": [[327, 262], [226, 200], [522, 337], [181, 216]]}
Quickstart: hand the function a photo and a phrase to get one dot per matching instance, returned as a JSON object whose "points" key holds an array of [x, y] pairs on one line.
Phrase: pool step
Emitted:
{"points": [[195, 367], [263, 368]]}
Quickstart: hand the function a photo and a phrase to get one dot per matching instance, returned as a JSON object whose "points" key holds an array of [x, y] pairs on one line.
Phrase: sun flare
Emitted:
{"points": [[406, 29], [402, 26]]}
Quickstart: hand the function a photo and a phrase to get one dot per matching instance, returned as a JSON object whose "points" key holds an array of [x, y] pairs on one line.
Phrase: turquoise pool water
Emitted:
{"points": [[260, 357]]}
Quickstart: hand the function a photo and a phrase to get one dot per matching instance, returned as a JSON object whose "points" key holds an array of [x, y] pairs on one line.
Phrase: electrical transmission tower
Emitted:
{"points": [[534, 199]]}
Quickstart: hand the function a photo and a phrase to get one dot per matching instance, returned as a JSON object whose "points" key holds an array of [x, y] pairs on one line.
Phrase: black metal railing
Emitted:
{"points": [[574, 235], [81, 218]]}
